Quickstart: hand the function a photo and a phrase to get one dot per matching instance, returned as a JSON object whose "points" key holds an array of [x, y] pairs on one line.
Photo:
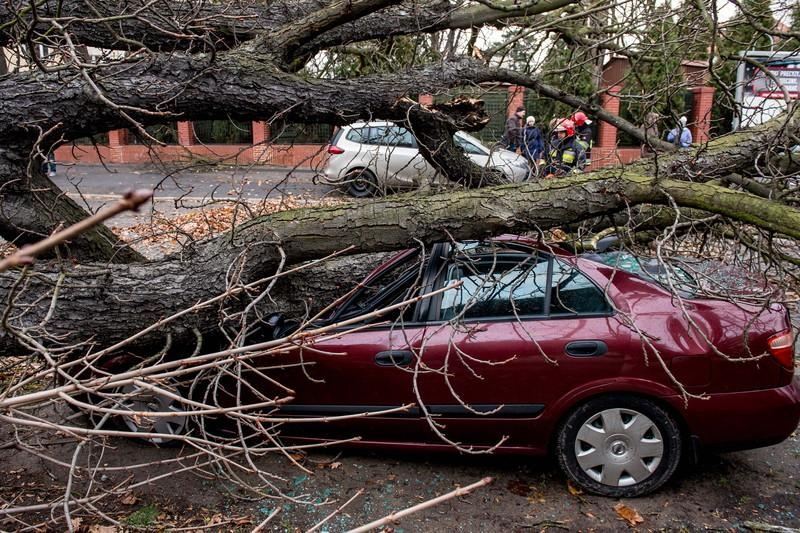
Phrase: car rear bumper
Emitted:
{"points": [[744, 420]]}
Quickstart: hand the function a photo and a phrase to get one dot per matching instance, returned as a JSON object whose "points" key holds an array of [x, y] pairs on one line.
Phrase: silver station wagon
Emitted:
{"points": [[368, 158]]}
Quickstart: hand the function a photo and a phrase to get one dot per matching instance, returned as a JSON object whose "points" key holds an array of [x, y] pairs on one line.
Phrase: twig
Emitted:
{"points": [[461, 491], [25, 255], [769, 528], [337, 511], [260, 527]]}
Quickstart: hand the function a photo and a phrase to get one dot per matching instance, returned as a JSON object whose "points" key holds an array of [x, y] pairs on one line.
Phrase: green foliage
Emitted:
{"points": [[656, 82], [223, 131], [742, 31], [793, 43], [387, 56], [742, 34], [144, 517], [165, 133], [570, 68]]}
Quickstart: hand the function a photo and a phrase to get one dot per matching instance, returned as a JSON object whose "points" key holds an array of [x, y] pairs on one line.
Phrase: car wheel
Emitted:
{"points": [[141, 401], [361, 183], [619, 446]]}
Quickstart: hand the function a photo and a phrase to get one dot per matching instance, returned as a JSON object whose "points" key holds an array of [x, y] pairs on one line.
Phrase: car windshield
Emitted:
{"points": [[470, 144]]}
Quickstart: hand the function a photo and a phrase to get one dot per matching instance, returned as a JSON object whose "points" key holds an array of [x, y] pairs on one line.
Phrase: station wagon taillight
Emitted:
{"points": [[781, 346], [334, 150]]}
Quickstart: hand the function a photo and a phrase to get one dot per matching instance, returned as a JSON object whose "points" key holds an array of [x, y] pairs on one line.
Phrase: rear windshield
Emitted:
{"points": [[670, 276], [382, 136], [336, 136]]}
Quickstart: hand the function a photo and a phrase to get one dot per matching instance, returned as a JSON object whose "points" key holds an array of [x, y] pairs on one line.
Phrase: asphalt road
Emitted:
{"points": [[183, 188]]}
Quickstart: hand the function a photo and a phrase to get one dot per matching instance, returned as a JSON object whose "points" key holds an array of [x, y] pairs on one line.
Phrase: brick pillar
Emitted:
{"points": [[609, 101], [700, 122], [516, 98], [261, 144], [117, 141], [185, 133]]}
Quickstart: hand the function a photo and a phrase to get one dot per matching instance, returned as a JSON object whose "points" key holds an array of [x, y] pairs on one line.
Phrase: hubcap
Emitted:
{"points": [[619, 447], [140, 400]]}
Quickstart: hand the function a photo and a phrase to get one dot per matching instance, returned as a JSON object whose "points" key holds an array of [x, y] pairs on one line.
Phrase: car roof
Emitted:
{"points": [[521, 240], [369, 124]]}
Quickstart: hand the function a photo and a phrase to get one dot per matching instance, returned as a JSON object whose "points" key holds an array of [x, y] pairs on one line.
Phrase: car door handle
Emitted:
{"points": [[394, 358], [586, 348]]}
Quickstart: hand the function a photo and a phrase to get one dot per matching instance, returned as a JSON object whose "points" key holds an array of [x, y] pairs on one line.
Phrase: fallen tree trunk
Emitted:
{"points": [[108, 303]]}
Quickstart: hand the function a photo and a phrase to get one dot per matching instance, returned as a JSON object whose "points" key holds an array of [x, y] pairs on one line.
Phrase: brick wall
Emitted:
{"points": [[700, 122], [607, 134], [605, 156], [313, 156], [516, 98]]}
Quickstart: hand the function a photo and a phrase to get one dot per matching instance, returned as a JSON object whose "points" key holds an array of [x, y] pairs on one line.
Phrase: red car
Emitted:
{"points": [[534, 351]]}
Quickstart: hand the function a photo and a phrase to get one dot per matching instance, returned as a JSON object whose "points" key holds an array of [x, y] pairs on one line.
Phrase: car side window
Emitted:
{"points": [[368, 135], [357, 135], [572, 293], [377, 135], [397, 283], [495, 288], [397, 136]]}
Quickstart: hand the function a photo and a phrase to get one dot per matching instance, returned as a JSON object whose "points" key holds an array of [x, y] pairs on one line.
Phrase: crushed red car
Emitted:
{"points": [[534, 350]]}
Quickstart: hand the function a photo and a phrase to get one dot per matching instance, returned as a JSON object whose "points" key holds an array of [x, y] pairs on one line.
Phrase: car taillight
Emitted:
{"points": [[781, 346], [334, 150]]}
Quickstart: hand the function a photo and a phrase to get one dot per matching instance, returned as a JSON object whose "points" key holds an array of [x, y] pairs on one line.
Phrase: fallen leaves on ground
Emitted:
{"points": [[573, 490], [629, 514], [128, 499], [519, 487], [168, 231], [6, 249]]}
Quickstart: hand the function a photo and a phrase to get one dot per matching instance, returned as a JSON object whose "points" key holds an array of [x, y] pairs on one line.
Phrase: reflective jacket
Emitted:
{"points": [[567, 152]]}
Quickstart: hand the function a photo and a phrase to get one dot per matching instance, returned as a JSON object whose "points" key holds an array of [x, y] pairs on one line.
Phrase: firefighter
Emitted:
{"points": [[566, 153], [584, 132]]}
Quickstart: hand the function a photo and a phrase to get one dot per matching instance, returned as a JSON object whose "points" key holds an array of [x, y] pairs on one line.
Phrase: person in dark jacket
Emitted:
{"points": [[512, 136], [650, 127], [533, 142]]}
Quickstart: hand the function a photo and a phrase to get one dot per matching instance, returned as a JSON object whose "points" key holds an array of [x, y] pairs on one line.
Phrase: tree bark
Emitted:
{"points": [[33, 207], [106, 304], [64, 303]]}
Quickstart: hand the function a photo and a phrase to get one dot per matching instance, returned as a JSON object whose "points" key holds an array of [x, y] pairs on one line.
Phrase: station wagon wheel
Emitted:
{"points": [[361, 183], [140, 400], [619, 446]]}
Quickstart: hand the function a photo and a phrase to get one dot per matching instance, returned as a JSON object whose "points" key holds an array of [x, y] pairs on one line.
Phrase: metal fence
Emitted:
{"points": [[294, 133], [495, 103], [98, 139], [223, 132], [165, 133]]}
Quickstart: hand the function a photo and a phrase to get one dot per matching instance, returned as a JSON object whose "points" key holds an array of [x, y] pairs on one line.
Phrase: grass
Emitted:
{"points": [[143, 517]]}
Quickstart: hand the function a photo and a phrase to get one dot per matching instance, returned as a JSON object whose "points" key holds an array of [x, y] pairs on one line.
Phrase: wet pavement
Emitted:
{"points": [[180, 188]]}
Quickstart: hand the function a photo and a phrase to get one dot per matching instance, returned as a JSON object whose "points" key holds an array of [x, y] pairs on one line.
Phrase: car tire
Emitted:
{"points": [[361, 183], [619, 446], [141, 400]]}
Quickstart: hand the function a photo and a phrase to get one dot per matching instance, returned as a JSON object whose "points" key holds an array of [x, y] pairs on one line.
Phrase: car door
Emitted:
{"points": [[400, 162], [518, 332], [355, 378]]}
